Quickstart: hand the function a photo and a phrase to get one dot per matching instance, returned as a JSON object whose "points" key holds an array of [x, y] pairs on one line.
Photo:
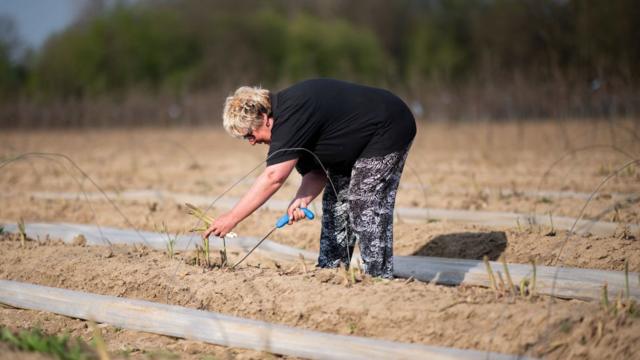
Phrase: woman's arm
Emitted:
{"points": [[312, 184], [262, 189]]}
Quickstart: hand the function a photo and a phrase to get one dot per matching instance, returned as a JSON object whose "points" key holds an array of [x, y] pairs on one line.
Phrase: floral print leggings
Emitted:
{"points": [[362, 212]]}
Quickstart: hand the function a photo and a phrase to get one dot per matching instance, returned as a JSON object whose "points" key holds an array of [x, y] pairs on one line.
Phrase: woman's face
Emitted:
{"points": [[261, 134]]}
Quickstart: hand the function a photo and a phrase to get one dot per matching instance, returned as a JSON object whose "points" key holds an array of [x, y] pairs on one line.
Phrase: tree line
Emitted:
{"points": [[582, 55]]}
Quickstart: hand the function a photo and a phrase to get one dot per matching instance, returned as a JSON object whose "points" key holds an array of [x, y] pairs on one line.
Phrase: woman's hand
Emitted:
{"points": [[221, 226], [312, 184], [294, 212]]}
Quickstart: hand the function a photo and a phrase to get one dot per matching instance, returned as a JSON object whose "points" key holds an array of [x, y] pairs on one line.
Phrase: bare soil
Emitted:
{"points": [[487, 166], [324, 300]]}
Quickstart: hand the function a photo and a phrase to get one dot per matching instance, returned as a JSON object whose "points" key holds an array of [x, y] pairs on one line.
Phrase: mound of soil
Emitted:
{"points": [[325, 300]]}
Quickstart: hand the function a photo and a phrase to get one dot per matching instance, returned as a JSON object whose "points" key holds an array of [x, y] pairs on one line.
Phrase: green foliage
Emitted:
{"points": [[182, 45], [12, 74], [126, 47], [61, 347], [332, 49], [439, 46], [8, 76], [158, 48]]}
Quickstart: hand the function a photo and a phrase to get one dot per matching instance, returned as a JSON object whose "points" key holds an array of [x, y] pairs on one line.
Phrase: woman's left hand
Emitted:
{"points": [[221, 226], [294, 212]]}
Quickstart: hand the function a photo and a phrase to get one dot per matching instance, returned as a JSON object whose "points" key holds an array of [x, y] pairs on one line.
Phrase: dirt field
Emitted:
{"points": [[544, 167]]}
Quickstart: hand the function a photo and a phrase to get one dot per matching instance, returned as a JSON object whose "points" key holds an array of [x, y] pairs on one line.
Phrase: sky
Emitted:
{"points": [[35, 20]]}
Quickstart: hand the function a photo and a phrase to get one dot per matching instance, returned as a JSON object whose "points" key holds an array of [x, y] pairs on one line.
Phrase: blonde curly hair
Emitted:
{"points": [[242, 110]]}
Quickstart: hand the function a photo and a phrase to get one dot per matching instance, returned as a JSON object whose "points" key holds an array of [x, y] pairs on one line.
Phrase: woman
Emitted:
{"points": [[360, 135]]}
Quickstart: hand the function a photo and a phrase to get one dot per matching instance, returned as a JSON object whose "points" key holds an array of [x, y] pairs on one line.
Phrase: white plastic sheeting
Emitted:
{"points": [[107, 235], [488, 218], [563, 282], [220, 329]]}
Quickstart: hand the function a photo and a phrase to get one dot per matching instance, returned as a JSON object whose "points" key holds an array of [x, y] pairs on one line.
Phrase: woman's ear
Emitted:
{"points": [[268, 121]]}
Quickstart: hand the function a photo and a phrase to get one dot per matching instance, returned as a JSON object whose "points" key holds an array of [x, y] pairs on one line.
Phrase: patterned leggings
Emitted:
{"points": [[362, 212]]}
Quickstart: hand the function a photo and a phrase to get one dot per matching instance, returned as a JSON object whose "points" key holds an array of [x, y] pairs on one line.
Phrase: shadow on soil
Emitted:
{"points": [[468, 245]]}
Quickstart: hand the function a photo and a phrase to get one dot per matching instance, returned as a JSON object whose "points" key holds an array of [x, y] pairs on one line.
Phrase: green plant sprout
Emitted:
{"points": [[616, 213], [512, 288], [605, 297], [503, 287], [352, 274], [533, 281], [200, 215], [170, 247], [171, 240], [223, 253], [619, 305], [527, 286], [545, 200], [552, 232], [524, 285], [631, 171], [205, 249], [348, 274], [304, 265], [604, 170], [98, 342], [624, 302], [626, 278], [205, 252], [196, 260], [359, 267], [22, 232], [492, 278]]}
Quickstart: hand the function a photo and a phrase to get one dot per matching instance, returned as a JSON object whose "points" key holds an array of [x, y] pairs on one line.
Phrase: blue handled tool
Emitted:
{"points": [[282, 221]]}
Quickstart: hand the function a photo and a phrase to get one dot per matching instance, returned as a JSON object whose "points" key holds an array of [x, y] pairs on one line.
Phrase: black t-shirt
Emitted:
{"points": [[339, 122]]}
